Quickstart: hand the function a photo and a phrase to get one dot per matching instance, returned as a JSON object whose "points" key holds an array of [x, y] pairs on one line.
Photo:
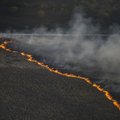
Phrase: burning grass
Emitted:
{"points": [[87, 80]]}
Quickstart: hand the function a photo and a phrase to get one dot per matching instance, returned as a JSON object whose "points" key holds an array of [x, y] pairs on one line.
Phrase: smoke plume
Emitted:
{"points": [[81, 48]]}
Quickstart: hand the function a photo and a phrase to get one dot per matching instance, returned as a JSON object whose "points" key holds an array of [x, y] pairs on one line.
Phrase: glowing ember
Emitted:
{"points": [[87, 80]]}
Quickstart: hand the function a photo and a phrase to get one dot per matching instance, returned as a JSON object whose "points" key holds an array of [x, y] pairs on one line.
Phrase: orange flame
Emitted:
{"points": [[4, 46], [87, 80]]}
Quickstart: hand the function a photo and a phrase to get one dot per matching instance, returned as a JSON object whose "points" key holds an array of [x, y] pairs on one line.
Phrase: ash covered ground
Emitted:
{"points": [[58, 52], [30, 92]]}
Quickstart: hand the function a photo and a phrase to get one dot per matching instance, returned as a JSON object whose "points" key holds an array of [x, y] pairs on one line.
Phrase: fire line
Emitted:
{"points": [[87, 80]]}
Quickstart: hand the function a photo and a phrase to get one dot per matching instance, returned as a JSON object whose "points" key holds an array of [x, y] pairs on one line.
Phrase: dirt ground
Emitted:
{"points": [[30, 92]]}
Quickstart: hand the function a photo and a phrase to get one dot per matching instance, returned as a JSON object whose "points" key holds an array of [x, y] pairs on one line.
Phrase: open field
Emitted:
{"points": [[30, 92], [26, 14]]}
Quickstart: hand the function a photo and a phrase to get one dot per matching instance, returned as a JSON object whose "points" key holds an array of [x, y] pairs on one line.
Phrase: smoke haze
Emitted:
{"points": [[81, 48]]}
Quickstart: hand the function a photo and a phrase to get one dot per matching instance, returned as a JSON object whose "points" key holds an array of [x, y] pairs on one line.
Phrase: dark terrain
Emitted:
{"points": [[30, 92], [28, 14]]}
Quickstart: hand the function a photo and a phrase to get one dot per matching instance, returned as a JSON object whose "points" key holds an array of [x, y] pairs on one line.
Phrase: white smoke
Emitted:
{"points": [[82, 48]]}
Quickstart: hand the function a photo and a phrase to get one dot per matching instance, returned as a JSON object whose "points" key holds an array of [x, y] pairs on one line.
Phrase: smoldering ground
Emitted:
{"points": [[82, 47]]}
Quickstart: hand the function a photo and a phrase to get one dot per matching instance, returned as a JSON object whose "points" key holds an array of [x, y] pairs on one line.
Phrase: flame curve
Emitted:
{"points": [[87, 80]]}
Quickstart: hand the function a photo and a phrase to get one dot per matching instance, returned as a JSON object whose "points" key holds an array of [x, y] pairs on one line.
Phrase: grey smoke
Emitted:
{"points": [[80, 48]]}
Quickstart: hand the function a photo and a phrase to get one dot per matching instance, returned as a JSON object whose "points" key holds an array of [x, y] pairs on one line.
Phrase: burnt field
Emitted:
{"points": [[109, 80], [30, 92]]}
